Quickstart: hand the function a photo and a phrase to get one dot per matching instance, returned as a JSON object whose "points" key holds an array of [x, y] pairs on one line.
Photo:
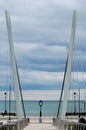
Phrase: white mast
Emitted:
{"points": [[68, 71], [14, 68]]}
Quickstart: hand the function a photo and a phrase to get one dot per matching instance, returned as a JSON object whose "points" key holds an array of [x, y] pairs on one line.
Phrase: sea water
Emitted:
{"points": [[49, 108]]}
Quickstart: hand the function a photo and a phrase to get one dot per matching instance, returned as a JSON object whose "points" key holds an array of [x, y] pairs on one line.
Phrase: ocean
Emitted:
{"points": [[49, 108]]}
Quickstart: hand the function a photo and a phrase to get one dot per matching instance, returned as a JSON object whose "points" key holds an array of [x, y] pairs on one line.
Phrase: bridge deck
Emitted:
{"points": [[47, 124], [40, 127]]}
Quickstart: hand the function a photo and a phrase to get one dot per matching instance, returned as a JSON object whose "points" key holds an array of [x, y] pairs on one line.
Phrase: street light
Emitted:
{"points": [[40, 104], [75, 103], [84, 106], [84, 103], [79, 103], [5, 112]]}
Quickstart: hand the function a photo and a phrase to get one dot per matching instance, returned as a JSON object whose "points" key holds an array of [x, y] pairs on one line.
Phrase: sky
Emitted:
{"points": [[41, 35]]}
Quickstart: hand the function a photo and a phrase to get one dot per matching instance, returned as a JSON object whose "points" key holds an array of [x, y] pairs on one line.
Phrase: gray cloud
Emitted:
{"points": [[41, 35]]}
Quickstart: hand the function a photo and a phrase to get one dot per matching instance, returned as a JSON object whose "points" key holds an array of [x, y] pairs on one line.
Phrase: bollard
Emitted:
{"points": [[40, 120]]}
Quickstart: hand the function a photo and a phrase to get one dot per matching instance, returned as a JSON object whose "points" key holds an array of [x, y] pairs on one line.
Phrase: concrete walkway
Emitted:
{"points": [[47, 124], [40, 127]]}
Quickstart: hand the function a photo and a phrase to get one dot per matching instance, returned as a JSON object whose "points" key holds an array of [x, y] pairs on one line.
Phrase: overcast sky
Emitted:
{"points": [[41, 34]]}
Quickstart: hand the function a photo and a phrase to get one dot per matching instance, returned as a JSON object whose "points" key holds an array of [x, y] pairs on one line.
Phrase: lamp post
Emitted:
{"points": [[9, 101], [79, 103], [40, 104], [5, 112], [84, 102], [75, 103], [83, 109]]}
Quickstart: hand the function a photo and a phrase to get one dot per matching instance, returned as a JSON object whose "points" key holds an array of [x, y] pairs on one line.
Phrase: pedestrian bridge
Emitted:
{"points": [[42, 123]]}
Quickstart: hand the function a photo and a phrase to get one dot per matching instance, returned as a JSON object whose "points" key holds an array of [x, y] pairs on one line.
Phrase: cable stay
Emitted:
{"points": [[62, 90]]}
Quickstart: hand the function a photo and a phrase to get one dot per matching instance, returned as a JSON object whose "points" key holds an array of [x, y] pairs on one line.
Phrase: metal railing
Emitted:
{"points": [[68, 125], [17, 125]]}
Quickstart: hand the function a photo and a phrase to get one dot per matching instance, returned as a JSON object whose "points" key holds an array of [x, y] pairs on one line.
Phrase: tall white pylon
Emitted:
{"points": [[14, 68], [68, 70]]}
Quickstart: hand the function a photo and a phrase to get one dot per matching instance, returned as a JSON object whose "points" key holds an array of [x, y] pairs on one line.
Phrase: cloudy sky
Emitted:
{"points": [[41, 34]]}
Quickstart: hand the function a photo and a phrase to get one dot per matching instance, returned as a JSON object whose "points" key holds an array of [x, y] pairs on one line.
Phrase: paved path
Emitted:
{"points": [[40, 127]]}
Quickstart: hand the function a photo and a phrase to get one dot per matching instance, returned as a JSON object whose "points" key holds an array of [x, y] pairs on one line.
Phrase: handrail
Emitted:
{"points": [[15, 125], [68, 125]]}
